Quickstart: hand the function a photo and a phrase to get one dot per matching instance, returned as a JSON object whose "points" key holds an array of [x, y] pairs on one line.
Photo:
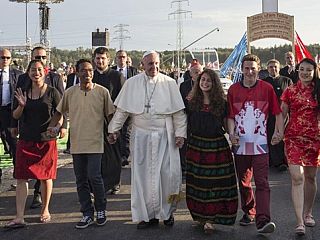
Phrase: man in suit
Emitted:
{"points": [[279, 83], [290, 70], [185, 88], [128, 72], [8, 80], [54, 80], [129, 61], [112, 80]]}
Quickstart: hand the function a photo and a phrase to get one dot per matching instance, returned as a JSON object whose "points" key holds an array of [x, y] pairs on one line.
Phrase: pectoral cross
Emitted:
{"points": [[147, 106]]}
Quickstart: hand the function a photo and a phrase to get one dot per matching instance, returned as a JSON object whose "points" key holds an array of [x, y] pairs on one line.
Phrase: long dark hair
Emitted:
{"points": [[316, 80], [216, 96]]}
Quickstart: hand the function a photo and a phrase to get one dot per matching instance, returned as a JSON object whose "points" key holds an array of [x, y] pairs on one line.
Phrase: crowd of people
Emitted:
{"points": [[118, 115]]}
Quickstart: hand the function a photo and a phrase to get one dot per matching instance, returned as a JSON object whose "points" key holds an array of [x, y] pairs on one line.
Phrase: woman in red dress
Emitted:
{"points": [[37, 155], [302, 140]]}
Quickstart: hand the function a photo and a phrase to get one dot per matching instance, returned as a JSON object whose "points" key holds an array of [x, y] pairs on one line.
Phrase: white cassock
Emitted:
{"points": [[156, 108]]}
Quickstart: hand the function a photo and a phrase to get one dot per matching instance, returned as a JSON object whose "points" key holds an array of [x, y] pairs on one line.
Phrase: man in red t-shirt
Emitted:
{"points": [[250, 102]]}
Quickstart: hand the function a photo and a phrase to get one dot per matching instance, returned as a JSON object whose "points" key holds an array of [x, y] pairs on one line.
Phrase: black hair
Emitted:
{"points": [[81, 61]]}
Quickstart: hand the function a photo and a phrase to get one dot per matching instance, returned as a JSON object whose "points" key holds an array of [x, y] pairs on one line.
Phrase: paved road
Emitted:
{"points": [[65, 213]]}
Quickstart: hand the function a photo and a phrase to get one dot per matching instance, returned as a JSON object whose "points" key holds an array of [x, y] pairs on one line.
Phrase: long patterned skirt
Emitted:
{"points": [[212, 194]]}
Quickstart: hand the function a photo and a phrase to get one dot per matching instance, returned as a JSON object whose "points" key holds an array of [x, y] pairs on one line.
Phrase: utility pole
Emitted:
{"points": [[122, 34], [179, 14]]}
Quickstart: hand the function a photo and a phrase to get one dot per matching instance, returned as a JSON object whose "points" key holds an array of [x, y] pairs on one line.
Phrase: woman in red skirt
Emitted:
{"points": [[302, 141], [36, 156]]}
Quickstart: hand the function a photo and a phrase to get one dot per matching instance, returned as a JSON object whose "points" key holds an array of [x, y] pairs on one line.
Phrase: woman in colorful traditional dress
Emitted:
{"points": [[212, 195], [36, 150], [302, 140]]}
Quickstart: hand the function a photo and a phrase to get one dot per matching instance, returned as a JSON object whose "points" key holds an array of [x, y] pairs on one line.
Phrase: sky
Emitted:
{"points": [[150, 27]]}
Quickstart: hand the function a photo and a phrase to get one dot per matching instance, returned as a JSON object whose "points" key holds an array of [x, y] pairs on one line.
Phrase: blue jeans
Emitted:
{"points": [[87, 168]]}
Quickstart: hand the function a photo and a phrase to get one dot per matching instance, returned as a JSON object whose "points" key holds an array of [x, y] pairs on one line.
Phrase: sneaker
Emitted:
{"points": [[85, 222], [113, 191], [267, 228], [36, 202], [124, 161], [246, 220], [101, 218]]}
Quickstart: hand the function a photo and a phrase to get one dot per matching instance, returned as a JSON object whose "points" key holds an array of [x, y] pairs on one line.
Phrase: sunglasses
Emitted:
{"points": [[5, 57], [40, 57]]}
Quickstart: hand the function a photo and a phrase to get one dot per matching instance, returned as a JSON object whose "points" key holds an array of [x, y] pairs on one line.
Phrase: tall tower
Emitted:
{"points": [[44, 11], [179, 14], [122, 34]]}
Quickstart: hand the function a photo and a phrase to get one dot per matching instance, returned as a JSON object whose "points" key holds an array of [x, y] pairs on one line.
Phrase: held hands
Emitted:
{"points": [[112, 137], [234, 139], [52, 132], [21, 97], [179, 142], [62, 132], [276, 138]]}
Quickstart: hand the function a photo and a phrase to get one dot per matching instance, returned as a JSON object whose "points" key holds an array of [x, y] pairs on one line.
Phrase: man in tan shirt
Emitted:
{"points": [[87, 104]]}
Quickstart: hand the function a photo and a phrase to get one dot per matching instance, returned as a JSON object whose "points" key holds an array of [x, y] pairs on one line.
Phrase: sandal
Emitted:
{"points": [[300, 230], [208, 228], [45, 218], [13, 224], [309, 221]]}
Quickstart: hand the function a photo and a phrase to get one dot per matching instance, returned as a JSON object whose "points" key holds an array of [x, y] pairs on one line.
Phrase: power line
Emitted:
{"points": [[122, 34]]}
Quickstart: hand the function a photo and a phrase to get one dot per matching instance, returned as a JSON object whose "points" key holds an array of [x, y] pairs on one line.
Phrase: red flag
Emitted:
{"points": [[301, 50]]}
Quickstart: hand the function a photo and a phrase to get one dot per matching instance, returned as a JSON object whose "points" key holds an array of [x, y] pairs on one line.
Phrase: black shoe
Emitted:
{"points": [[85, 222], [116, 189], [36, 202], [283, 167], [67, 151], [154, 221], [101, 218], [169, 222], [267, 228], [124, 163], [113, 191], [144, 225], [246, 220]]}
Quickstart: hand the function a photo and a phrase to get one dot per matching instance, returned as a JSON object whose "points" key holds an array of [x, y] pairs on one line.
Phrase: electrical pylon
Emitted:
{"points": [[122, 34], [179, 14]]}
